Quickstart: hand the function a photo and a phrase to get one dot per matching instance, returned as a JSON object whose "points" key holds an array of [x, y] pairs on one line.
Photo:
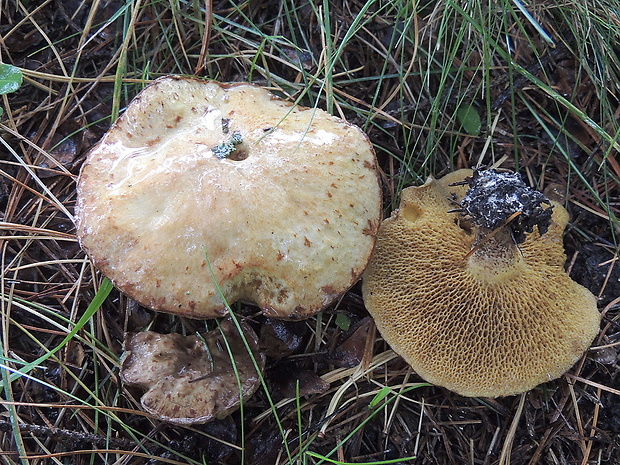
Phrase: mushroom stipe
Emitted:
{"points": [[495, 322]]}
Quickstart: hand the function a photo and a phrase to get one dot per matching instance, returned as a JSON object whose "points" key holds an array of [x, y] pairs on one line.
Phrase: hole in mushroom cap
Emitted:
{"points": [[411, 212], [238, 155], [464, 224]]}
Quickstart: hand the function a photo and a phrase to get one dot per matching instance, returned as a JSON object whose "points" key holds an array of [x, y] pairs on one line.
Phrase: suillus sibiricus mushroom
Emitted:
{"points": [[192, 379], [202, 187], [474, 299]]}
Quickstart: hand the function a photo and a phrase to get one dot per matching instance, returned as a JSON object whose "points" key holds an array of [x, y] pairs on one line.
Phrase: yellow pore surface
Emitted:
{"points": [[497, 323]]}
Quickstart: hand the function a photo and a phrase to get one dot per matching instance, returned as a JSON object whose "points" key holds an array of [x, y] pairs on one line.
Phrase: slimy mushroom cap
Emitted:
{"points": [[201, 187], [496, 322]]}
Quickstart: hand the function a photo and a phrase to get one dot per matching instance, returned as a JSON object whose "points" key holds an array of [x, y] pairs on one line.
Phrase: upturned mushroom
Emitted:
{"points": [[203, 192], [463, 302], [191, 379]]}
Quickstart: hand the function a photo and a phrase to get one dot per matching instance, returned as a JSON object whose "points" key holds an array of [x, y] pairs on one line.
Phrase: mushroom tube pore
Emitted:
{"points": [[481, 325]]}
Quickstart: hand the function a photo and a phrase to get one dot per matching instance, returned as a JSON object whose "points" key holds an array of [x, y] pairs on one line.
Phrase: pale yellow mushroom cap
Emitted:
{"points": [[286, 218], [497, 323]]}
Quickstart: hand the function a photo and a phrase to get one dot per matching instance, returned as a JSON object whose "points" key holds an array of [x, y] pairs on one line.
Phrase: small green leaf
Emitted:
{"points": [[343, 321], [382, 394], [10, 78], [401, 460], [104, 290], [469, 118]]}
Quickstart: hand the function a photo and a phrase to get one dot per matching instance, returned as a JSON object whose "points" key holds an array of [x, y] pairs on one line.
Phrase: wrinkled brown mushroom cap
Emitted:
{"points": [[191, 379], [497, 323], [282, 201]]}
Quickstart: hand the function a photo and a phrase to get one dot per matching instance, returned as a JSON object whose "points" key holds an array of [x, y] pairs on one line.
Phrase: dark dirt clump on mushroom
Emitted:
{"points": [[496, 199], [403, 71]]}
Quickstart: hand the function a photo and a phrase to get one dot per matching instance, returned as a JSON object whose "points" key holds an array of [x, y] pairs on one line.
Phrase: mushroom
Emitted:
{"points": [[205, 192], [465, 305], [192, 379]]}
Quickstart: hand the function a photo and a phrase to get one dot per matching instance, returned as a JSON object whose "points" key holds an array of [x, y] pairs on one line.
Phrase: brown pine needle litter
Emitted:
{"points": [[531, 86]]}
